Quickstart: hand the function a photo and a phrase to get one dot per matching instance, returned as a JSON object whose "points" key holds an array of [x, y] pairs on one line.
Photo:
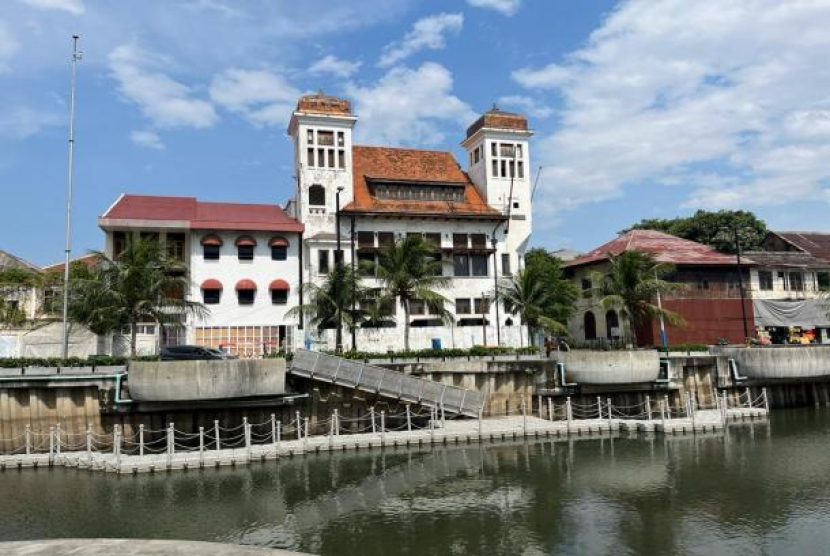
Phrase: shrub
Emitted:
{"points": [[477, 351], [91, 361]]}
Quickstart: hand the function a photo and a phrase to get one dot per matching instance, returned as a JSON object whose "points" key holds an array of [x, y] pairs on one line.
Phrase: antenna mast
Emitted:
{"points": [[76, 56], [536, 183]]}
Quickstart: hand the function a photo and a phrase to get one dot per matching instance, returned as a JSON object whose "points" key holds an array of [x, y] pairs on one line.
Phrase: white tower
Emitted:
{"points": [[498, 151]]}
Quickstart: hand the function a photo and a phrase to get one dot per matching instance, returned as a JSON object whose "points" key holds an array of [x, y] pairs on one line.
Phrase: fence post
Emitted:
{"points": [[299, 426], [89, 441], [171, 440], [279, 436], [305, 433], [115, 432], [216, 434], [663, 413], [667, 406], [58, 436], [766, 399], [524, 418], [432, 414], [141, 440], [201, 446], [599, 408], [443, 417], [246, 428], [372, 415], [568, 413], [550, 409], [610, 416], [117, 446], [748, 393], [541, 407], [331, 431], [336, 423], [51, 443], [408, 419], [28, 433], [691, 409], [648, 407], [273, 430], [480, 421], [383, 427]]}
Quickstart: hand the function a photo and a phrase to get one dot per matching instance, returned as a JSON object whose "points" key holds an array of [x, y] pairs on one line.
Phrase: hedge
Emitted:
{"points": [[477, 351], [91, 361]]}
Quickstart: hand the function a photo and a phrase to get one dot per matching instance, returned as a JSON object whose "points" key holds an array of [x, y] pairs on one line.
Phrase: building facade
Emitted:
{"points": [[479, 220]]}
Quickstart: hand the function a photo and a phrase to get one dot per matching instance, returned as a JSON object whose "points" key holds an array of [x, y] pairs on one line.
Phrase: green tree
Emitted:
{"points": [[409, 271], [332, 300], [140, 285], [713, 228], [560, 293], [526, 295], [15, 283], [631, 285]]}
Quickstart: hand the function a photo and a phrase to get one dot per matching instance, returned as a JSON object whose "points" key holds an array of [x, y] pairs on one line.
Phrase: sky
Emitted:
{"points": [[641, 108]]}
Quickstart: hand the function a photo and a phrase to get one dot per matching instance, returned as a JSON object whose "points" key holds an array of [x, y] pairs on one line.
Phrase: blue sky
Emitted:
{"points": [[642, 108]]}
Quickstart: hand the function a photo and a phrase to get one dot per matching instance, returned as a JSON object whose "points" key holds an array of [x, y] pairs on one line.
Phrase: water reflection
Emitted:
{"points": [[755, 489]]}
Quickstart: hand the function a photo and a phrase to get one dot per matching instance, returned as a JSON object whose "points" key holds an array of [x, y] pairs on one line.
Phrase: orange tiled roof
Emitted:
{"points": [[320, 103], [413, 165]]}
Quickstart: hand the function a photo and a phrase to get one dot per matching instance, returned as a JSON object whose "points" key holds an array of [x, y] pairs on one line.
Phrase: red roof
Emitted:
{"points": [[278, 241], [279, 284], [212, 284], [816, 244], [417, 167], [89, 260], [245, 285], [664, 247], [188, 212]]}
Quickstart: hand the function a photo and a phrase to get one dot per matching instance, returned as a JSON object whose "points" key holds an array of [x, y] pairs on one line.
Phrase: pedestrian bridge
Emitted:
{"points": [[387, 383]]}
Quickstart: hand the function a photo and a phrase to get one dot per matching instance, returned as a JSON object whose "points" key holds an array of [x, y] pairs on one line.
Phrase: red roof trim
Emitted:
{"points": [[212, 239], [212, 284], [278, 241], [246, 241], [245, 285], [279, 284]]}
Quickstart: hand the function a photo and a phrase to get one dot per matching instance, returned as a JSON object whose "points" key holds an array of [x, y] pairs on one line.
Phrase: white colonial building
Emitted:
{"points": [[479, 219]]}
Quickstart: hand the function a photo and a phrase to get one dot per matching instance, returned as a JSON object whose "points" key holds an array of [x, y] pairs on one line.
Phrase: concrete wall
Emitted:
{"points": [[157, 381], [780, 362], [610, 367]]}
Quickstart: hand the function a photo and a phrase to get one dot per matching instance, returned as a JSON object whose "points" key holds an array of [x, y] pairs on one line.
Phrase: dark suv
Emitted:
{"points": [[192, 353]]}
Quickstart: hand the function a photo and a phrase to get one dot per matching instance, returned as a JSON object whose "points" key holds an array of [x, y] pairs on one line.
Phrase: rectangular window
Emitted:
{"points": [[765, 279], [478, 241], [211, 252], [518, 151], [433, 239], [417, 307], [703, 283], [797, 281], [279, 252], [512, 165], [321, 158], [784, 283], [341, 159], [479, 264], [175, 246], [476, 156], [366, 264], [310, 161], [338, 256], [331, 158], [521, 167], [279, 297], [323, 261], [505, 265], [461, 265], [211, 297], [462, 306], [119, 243], [325, 138], [493, 149], [586, 284], [506, 150], [341, 139], [365, 240], [503, 168], [823, 279], [459, 241], [245, 252], [310, 136], [386, 239], [482, 306], [246, 297], [495, 168]]}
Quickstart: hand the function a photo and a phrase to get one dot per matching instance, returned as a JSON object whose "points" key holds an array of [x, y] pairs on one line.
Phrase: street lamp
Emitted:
{"points": [[338, 266], [354, 293]]}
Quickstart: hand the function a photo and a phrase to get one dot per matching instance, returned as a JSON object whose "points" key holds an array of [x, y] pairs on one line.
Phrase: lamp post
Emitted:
{"points": [[354, 293], [338, 266]]}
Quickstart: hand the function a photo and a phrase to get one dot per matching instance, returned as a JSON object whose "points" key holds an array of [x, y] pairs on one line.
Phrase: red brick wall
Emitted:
{"points": [[707, 321]]}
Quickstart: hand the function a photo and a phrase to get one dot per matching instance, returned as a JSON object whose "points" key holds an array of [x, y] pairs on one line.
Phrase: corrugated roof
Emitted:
{"points": [[793, 259], [89, 260], [664, 247], [195, 214], [414, 166], [814, 243]]}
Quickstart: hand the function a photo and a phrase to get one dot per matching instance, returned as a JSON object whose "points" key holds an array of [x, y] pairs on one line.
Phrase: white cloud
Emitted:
{"points": [[427, 34], [335, 66], [75, 7], [165, 101], [20, 122], [409, 107], [507, 7], [528, 105], [260, 96], [147, 138], [720, 98], [8, 46]]}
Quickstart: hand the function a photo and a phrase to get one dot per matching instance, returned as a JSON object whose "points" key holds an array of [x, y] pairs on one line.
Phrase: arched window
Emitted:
{"points": [[612, 325], [317, 195], [590, 325]]}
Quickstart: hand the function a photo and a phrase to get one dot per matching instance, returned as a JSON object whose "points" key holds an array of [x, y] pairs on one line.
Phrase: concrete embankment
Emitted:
{"points": [[133, 547]]}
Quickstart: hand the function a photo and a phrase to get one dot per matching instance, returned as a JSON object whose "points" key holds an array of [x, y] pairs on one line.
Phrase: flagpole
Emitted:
{"points": [[76, 55]]}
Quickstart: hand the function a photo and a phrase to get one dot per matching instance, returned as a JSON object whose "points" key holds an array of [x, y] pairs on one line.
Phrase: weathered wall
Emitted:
{"points": [[162, 381], [706, 322], [780, 363], [609, 367]]}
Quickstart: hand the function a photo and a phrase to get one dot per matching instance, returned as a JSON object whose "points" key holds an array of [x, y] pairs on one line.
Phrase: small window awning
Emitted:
{"points": [[279, 284], [278, 242], [212, 284], [245, 241], [245, 285], [212, 239]]}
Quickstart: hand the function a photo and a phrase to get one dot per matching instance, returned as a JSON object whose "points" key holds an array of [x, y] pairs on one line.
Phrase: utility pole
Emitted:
{"points": [[76, 56], [741, 283], [338, 265]]}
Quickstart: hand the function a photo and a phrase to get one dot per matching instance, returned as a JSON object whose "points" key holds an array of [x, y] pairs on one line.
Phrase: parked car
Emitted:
{"points": [[192, 353]]}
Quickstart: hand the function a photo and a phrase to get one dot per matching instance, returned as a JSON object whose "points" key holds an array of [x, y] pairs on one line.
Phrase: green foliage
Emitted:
{"points": [[477, 351], [713, 228], [633, 281], [14, 284], [91, 361], [560, 293]]}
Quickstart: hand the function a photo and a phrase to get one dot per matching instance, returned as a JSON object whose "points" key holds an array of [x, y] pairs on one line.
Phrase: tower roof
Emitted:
{"points": [[321, 103], [499, 119]]}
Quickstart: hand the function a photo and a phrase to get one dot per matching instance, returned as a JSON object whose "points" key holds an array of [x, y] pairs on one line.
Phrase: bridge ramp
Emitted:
{"points": [[384, 382]]}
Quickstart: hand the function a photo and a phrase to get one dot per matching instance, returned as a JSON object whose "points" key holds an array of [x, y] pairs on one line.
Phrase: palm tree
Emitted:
{"points": [[632, 283], [526, 295], [331, 300], [139, 285], [409, 271]]}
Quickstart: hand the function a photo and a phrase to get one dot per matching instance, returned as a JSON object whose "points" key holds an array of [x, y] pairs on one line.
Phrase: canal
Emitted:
{"points": [[758, 489]]}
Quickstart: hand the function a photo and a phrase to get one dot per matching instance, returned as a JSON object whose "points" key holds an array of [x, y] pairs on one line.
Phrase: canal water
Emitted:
{"points": [[758, 489]]}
